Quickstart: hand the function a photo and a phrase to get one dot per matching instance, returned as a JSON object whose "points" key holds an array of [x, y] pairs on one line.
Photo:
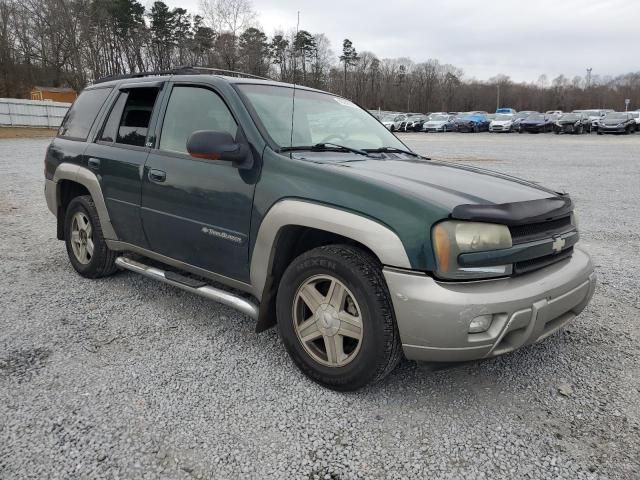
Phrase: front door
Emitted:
{"points": [[194, 210]]}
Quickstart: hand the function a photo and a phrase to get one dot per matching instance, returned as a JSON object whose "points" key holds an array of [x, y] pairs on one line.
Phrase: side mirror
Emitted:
{"points": [[216, 145]]}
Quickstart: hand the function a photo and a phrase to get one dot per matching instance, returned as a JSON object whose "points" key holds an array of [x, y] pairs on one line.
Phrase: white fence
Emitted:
{"points": [[31, 113]]}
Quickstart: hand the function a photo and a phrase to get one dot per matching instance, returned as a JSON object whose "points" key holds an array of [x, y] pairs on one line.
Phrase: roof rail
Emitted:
{"points": [[182, 70]]}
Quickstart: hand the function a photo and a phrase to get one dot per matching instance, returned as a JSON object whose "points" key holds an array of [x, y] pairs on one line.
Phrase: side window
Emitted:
{"points": [[136, 115], [110, 130], [82, 113], [190, 109]]}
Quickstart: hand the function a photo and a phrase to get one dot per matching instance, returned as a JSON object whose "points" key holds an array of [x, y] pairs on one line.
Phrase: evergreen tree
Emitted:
{"points": [[349, 57]]}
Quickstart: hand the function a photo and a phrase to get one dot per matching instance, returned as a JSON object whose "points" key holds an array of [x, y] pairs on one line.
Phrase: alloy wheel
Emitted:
{"points": [[327, 320], [81, 238]]}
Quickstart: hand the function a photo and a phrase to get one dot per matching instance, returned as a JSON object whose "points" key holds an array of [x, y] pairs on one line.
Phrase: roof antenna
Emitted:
{"points": [[293, 98]]}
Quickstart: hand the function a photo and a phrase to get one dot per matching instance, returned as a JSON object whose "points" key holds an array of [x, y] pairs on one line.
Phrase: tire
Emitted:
{"points": [[94, 263], [476, 129], [363, 361], [393, 128]]}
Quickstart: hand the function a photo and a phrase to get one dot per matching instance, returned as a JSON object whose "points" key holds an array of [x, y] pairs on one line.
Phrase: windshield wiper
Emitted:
{"points": [[325, 147], [394, 150]]}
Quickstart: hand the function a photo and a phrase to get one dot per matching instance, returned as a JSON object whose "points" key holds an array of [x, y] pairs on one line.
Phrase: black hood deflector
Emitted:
{"points": [[517, 213]]}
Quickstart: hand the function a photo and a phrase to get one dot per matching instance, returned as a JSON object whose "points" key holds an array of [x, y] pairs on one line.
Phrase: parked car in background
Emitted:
{"points": [[572, 123], [510, 111], [636, 116], [502, 123], [556, 113], [537, 123], [518, 117], [617, 122], [594, 117], [409, 122], [472, 122], [440, 123], [418, 122], [393, 121]]}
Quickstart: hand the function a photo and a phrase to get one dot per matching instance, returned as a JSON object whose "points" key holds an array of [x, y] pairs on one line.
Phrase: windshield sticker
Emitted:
{"points": [[344, 102]]}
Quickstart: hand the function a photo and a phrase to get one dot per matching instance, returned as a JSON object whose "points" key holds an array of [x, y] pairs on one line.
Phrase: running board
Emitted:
{"points": [[199, 288]]}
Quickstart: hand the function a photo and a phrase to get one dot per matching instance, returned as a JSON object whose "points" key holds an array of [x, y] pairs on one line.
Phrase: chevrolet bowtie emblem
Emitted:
{"points": [[558, 244]]}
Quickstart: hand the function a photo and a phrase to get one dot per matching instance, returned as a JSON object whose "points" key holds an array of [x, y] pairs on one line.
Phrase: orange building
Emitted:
{"points": [[54, 94]]}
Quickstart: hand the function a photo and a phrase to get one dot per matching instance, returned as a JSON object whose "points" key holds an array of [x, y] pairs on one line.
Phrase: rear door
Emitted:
{"points": [[194, 210], [118, 156]]}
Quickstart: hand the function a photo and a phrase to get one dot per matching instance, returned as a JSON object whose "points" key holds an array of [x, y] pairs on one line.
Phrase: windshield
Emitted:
{"points": [[616, 116], [570, 116], [318, 118], [504, 117], [536, 117]]}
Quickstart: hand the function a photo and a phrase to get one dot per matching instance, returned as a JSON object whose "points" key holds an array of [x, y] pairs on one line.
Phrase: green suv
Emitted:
{"points": [[301, 210]]}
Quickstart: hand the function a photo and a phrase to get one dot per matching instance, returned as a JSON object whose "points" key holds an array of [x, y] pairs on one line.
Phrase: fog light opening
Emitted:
{"points": [[480, 324]]}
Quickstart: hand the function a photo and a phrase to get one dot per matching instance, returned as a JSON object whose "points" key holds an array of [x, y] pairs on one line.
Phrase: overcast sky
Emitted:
{"points": [[519, 38]]}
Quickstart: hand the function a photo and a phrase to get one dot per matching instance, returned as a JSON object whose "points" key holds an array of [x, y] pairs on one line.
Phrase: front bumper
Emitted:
{"points": [[603, 129], [433, 317]]}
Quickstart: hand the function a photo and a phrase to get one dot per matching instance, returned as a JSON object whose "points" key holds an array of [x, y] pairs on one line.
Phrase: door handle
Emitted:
{"points": [[94, 163], [157, 176]]}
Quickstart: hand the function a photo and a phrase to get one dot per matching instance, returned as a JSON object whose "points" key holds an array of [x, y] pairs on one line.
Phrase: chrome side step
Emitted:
{"points": [[226, 298]]}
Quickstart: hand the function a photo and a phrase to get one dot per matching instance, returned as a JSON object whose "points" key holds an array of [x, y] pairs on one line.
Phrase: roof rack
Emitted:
{"points": [[183, 70]]}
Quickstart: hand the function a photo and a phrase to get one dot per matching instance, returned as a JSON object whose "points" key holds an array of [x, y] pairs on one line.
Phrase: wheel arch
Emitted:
{"points": [[292, 227], [68, 182]]}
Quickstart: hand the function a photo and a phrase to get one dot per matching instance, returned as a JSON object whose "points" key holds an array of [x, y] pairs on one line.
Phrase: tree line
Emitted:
{"points": [[74, 42]]}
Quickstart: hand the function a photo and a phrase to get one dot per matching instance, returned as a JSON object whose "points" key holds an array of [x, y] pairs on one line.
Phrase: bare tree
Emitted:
{"points": [[233, 16]]}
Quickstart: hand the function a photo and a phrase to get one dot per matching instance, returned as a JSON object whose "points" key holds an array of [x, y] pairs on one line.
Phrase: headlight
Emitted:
{"points": [[451, 238]]}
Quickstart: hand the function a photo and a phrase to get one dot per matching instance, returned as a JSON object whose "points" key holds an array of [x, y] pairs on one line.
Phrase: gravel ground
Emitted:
{"points": [[127, 378]]}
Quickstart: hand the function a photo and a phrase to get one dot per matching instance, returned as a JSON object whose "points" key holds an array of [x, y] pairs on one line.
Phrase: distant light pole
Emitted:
{"points": [[498, 99], [589, 70]]}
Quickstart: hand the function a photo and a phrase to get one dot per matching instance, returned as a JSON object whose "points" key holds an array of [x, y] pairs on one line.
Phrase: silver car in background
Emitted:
{"points": [[439, 123], [502, 123]]}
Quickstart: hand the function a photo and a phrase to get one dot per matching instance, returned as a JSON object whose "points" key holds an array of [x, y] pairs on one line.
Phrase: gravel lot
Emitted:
{"points": [[128, 378]]}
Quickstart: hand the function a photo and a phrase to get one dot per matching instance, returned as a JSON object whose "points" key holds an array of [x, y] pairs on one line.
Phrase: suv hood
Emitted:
{"points": [[446, 185]]}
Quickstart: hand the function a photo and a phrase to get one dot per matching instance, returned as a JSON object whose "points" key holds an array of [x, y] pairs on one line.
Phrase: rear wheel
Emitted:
{"points": [[86, 247], [335, 317]]}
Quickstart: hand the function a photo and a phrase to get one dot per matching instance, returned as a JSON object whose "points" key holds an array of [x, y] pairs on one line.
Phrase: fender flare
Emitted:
{"points": [[85, 177], [379, 238]]}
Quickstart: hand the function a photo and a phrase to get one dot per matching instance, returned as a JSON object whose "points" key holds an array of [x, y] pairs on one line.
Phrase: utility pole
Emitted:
{"points": [[589, 84]]}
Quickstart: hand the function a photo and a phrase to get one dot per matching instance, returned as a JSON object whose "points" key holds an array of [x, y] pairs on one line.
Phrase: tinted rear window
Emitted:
{"points": [[83, 112]]}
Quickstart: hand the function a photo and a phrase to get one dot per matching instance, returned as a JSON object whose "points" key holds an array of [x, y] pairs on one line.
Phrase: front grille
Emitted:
{"points": [[537, 231], [541, 262]]}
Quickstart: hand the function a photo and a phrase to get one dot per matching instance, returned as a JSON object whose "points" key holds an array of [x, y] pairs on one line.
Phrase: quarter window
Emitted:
{"points": [[83, 113], [191, 109]]}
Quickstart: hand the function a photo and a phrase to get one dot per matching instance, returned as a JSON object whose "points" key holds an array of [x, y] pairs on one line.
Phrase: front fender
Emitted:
{"points": [[381, 240]]}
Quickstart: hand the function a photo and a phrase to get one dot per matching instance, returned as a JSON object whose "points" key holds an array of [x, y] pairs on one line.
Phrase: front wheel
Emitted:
{"points": [[335, 317], [86, 247]]}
